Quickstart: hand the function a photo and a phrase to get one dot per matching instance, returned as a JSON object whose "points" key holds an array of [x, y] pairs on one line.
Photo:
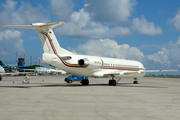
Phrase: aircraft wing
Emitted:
{"points": [[113, 72], [149, 71], [29, 69], [117, 72], [16, 73], [8, 73], [23, 72]]}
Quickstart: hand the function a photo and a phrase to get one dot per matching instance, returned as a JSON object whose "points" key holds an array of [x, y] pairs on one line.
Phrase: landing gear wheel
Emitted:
{"points": [[135, 81], [0, 78], [112, 82], [85, 82]]}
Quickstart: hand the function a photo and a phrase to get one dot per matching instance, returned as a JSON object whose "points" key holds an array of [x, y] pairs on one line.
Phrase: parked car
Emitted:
{"points": [[72, 78]]}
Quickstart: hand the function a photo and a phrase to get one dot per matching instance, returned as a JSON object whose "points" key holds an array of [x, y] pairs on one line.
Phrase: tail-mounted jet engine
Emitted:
{"points": [[91, 62]]}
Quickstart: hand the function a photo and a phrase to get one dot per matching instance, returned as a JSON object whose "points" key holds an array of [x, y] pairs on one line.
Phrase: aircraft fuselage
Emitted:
{"points": [[93, 65]]}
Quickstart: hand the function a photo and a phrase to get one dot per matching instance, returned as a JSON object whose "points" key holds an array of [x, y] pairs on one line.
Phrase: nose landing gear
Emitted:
{"points": [[135, 81]]}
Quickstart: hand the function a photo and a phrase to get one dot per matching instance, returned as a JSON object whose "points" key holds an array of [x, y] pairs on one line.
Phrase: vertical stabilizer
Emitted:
{"points": [[50, 43]]}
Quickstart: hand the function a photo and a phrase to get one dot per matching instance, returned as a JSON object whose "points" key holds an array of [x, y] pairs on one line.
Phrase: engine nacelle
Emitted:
{"points": [[91, 62]]}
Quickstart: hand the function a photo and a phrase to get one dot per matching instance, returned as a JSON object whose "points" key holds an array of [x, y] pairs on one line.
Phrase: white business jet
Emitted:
{"points": [[16, 72], [84, 65], [2, 72]]}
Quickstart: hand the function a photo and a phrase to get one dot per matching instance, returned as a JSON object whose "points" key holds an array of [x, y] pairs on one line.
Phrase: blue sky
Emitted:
{"points": [[143, 30]]}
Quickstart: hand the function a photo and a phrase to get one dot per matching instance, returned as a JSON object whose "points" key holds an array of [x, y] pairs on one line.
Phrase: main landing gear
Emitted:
{"points": [[0, 77], [112, 81], [85, 82]]}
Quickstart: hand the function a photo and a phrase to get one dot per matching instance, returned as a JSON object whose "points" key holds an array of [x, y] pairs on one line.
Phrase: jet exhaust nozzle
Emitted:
{"points": [[83, 62], [90, 62]]}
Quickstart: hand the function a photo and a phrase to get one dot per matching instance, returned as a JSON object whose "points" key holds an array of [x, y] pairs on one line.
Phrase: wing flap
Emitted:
{"points": [[105, 73], [113, 73]]}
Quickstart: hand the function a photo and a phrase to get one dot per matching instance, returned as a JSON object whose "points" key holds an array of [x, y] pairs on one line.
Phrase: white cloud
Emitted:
{"points": [[146, 28], [62, 8], [109, 48], [24, 14], [2, 52], [178, 65], [81, 26], [167, 57], [176, 21], [110, 11], [118, 32], [10, 43], [9, 35], [161, 57]]}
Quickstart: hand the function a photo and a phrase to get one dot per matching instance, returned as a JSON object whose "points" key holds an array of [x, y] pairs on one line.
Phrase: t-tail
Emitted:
{"points": [[47, 37]]}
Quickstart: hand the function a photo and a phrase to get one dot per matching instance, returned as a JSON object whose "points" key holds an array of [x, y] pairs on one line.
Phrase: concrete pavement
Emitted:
{"points": [[153, 98]]}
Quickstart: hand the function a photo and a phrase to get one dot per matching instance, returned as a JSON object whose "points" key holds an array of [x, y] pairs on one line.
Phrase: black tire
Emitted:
{"points": [[0, 78], [135, 82], [85, 82], [112, 82]]}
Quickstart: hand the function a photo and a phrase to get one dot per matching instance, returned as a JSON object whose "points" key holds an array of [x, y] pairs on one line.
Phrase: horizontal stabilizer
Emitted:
{"points": [[36, 25]]}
